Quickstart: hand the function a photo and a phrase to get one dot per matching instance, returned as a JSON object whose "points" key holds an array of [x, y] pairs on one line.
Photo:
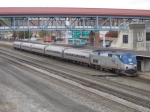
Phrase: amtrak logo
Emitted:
{"points": [[130, 59], [113, 61]]}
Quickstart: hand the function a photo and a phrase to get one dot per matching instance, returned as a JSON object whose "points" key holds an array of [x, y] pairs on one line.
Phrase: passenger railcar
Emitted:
{"points": [[55, 51], [77, 56], [38, 48], [17, 45], [26, 46]]}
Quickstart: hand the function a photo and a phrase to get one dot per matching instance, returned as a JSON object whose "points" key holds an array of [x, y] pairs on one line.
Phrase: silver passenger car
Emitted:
{"points": [[56, 51], [17, 44], [77, 55], [38, 48], [26, 46]]}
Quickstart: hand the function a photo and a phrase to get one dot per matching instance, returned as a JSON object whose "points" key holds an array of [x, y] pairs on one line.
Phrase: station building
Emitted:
{"points": [[136, 39]]}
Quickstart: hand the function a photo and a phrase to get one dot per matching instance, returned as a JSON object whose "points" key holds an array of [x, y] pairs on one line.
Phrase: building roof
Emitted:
{"points": [[108, 38], [72, 11]]}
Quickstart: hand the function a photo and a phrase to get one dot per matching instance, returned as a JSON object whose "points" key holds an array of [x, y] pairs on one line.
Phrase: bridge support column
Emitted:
{"points": [[94, 39]]}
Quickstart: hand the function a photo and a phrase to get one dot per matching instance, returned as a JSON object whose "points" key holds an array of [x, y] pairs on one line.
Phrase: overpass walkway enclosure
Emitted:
{"points": [[91, 19]]}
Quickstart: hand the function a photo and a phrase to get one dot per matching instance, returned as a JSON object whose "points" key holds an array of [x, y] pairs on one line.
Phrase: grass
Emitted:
{"points": [[1, 102]]}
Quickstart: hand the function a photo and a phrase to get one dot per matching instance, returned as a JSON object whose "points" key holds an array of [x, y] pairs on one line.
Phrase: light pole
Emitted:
{"points": [[103, 40], [29, 36], [1, 36], [24, 30], [67, 37]]}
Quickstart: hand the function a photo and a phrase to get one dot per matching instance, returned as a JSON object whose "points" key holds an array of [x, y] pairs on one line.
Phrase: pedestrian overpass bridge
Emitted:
{"points": [[91, 19]]}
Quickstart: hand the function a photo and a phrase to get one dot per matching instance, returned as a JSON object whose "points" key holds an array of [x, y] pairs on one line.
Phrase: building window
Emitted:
{"points": [[147, 36], [125, 38]]}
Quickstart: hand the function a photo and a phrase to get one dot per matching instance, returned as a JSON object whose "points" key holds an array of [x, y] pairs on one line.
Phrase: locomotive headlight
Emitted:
{"points": [[126, 66], [135, 66]]}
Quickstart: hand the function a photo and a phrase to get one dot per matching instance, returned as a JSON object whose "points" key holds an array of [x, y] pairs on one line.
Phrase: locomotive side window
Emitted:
{"points": [[95, 61]]}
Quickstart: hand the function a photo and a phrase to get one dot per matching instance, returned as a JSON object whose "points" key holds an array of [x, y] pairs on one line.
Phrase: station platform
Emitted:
{"points": [[145, 75]]}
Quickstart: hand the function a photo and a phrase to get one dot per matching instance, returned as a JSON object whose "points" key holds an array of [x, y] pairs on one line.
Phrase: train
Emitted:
{"points": [[121, 63]]}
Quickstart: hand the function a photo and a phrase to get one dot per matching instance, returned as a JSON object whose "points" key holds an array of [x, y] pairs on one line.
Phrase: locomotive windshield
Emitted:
{"points": [[128, 58], [131, 56]]}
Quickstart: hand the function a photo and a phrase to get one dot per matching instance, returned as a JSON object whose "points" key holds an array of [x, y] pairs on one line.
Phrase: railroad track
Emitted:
{"points": [[90, 95], [125, 96], [90, 76], [147, 81], [131, 78]]}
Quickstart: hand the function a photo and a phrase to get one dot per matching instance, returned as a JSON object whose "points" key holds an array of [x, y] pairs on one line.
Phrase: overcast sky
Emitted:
{"points": [[125, 4]]}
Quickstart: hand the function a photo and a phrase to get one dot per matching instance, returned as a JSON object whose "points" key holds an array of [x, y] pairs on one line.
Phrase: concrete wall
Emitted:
{"points": [[94, 39], [136, 31], [118, 42], [97, 39], [146, 65]]}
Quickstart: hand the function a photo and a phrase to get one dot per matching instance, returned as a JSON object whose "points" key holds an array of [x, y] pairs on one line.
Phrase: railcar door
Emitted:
{"points": [[114, 62], [118, 63]]}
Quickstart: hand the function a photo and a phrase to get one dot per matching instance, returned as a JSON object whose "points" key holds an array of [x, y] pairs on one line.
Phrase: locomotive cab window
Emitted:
{"points": [[109, 55]]}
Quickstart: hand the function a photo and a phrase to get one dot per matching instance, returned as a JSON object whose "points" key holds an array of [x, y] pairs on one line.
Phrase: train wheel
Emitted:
{"points": [[91, 66], [85, 65], [81, 63], [102, 69], [99, 67], [96, 67]]}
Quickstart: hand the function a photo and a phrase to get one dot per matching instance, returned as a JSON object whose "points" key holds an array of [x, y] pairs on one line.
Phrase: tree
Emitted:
{"points": [[60, 33], [44, 33], [14, 35], [111, 34], [24, 34]]}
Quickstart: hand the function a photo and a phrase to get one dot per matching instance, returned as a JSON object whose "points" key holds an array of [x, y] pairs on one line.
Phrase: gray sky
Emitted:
{"points": [[125, 4]]}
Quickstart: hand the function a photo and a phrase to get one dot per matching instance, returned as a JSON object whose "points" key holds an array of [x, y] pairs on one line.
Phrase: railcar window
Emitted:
{"points": [[38, 48], [80, 56], [25, 46]]}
